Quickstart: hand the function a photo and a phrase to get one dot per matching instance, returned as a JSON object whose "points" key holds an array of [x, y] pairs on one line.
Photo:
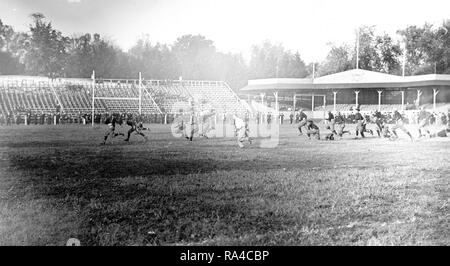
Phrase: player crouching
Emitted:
{"points": [[312, 129], [340, 125], [242, 131], [303, 120]]}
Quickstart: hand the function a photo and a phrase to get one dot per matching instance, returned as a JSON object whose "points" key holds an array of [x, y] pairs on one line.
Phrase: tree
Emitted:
{"points": [[9, 62], [388, 53], [195, 55], [104, 57], [155, 61], [376, 53], [6, 36], [46, 54], [230, 68], [427, 49], [79, 62], [368, 56], [339, 59], [297, 67], [271, 61]]}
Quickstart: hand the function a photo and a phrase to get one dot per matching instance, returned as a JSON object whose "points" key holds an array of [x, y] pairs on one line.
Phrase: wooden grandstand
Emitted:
{"points": [[74, 96]]}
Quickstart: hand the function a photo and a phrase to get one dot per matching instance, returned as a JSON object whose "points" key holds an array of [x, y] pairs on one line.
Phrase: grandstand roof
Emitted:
{"points": [[355, 78]]}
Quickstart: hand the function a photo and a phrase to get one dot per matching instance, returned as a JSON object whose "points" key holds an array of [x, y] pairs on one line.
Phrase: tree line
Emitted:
{"points": [[46, 51]]}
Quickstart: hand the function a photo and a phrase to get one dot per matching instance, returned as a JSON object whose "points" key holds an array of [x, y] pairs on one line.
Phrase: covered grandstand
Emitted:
{"points": [[345, 90]]}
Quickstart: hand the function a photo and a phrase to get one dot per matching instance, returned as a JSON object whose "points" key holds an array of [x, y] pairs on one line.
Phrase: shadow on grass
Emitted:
{"points": [[170, 219], [156, 210], [113, 163]]}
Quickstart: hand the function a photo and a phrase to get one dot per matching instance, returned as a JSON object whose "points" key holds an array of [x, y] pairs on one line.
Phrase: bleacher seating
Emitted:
{"points": [[74, 96], [217, 95]]}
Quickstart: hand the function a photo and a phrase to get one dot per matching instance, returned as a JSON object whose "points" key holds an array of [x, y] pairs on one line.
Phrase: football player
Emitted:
{"points": [[137, 127], [399, 124], [111, 121], [424, 121], [242, 131], [312, 129], [302, 117]]}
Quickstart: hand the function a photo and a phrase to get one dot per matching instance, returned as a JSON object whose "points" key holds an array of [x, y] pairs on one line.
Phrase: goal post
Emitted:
{"points": [[138, 99], [93, 96]]}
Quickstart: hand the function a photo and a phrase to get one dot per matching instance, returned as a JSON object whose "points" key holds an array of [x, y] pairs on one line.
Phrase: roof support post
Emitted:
{"points": [[403, 100], [419, 92], [379, 99], [140, 93], [262, 103], [276, 101], [435, 93], [295, 100], [357, 93], [93, 97], [312, 104], [334, 100]]}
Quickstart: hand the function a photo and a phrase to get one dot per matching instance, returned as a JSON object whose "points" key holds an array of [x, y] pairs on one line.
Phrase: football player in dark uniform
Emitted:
{"points": [[340, 125], [111, 121], [137, 127], [424, 120], [399, 124], [302, 117], [378, 121], [330, 124], [312, 129], [360, 123]]}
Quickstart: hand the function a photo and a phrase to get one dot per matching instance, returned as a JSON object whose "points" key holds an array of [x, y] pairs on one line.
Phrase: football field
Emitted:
{"points": [[57, 182]]}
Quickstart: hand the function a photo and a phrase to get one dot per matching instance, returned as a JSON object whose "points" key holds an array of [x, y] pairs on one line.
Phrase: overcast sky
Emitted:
{"points": [[234, 25]]}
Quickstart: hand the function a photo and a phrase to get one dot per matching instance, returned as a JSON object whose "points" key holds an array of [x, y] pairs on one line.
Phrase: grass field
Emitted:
{"points": [[56, 182]]}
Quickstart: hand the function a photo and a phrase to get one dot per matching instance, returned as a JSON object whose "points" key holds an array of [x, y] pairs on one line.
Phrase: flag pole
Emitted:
{"points": [[357, 48], [140, 93], [313, 70], [93, 96], [404, 58]]}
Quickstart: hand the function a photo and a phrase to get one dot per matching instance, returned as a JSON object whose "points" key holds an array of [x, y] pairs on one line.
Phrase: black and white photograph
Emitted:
{"points": [[230, 123]]}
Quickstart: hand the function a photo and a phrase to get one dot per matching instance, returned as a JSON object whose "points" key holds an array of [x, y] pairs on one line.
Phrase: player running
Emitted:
{"points": [[302, 118], [137, 127], [378, 121], [189, 127], [111, 121], [424, 120], [242, 131], [206, 127], [399, 124], [364, 125]]}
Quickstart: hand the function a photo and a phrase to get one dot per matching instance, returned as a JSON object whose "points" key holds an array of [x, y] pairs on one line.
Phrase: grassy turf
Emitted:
{"points": [[56, 182]]}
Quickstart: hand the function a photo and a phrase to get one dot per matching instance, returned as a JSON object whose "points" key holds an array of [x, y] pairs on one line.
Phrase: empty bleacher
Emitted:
{"points": [[217, 95], [74, 96]]}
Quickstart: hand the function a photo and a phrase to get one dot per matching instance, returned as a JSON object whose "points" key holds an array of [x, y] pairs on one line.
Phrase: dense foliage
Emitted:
{"points": [[45, 51]]}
